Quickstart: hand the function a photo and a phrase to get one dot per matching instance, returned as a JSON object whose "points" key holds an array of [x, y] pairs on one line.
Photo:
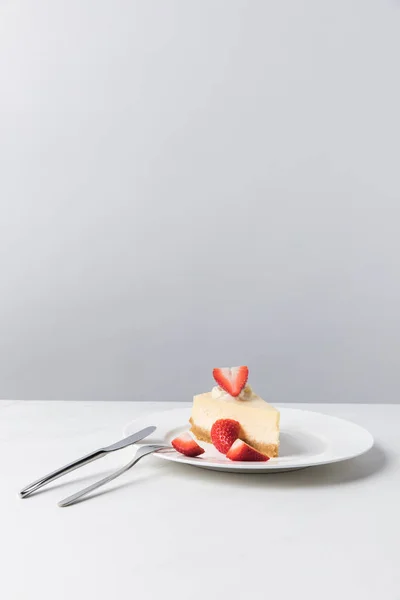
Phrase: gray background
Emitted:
{"points": [[187, 184]]}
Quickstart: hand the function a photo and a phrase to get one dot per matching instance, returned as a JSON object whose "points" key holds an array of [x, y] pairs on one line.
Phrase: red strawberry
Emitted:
{"points": [[186, 445], [231, 379], [243, 452], [223, 433]]}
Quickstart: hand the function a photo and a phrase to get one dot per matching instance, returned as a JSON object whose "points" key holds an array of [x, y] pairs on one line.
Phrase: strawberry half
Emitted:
{"points": [[223, 433], [240, 451], [186, 445], [231, 379]]}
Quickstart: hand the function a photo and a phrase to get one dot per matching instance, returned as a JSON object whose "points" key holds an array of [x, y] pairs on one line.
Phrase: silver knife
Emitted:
{"points": [[132, 439]]}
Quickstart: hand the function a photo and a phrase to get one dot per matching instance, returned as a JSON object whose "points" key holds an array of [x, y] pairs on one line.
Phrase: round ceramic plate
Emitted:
{"points": [[307, 439]]}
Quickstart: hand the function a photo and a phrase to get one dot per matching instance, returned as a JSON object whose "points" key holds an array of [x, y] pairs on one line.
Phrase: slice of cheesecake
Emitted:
{"points": [[259, 420]]}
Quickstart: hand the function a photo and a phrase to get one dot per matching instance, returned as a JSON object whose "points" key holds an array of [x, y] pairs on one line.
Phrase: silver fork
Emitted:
{"points": [[142, 451]]}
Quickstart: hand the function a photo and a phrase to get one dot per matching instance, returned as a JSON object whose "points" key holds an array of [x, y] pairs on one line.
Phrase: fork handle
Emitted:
{"points": [[142, 451], [33, 487]]}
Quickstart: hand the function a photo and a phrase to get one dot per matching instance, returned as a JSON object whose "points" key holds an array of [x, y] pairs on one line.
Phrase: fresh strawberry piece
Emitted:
{"points": [[240, 451], [223, 433], [231, 379], [186, 445]]}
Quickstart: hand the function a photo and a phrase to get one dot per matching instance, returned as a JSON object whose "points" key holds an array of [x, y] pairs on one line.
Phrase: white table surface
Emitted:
{"points": [[172, 531]]}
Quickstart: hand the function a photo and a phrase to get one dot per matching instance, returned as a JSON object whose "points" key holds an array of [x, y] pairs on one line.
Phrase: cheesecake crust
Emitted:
{"points": [[203, 435]]}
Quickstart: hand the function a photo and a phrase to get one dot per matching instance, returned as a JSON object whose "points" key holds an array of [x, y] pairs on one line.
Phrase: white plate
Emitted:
{"points": [[307, 439]]}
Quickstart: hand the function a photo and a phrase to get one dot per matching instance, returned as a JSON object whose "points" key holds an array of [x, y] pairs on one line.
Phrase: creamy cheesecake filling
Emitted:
{"points": [[206, 410]]}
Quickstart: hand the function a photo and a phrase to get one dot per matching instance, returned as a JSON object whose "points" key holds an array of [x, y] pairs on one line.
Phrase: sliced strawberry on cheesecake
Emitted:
{"points": [[240, 451], [186, 445], [231, 379]]}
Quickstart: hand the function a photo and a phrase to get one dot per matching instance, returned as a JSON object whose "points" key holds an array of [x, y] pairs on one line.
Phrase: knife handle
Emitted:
{"points": [[76, 464]]}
